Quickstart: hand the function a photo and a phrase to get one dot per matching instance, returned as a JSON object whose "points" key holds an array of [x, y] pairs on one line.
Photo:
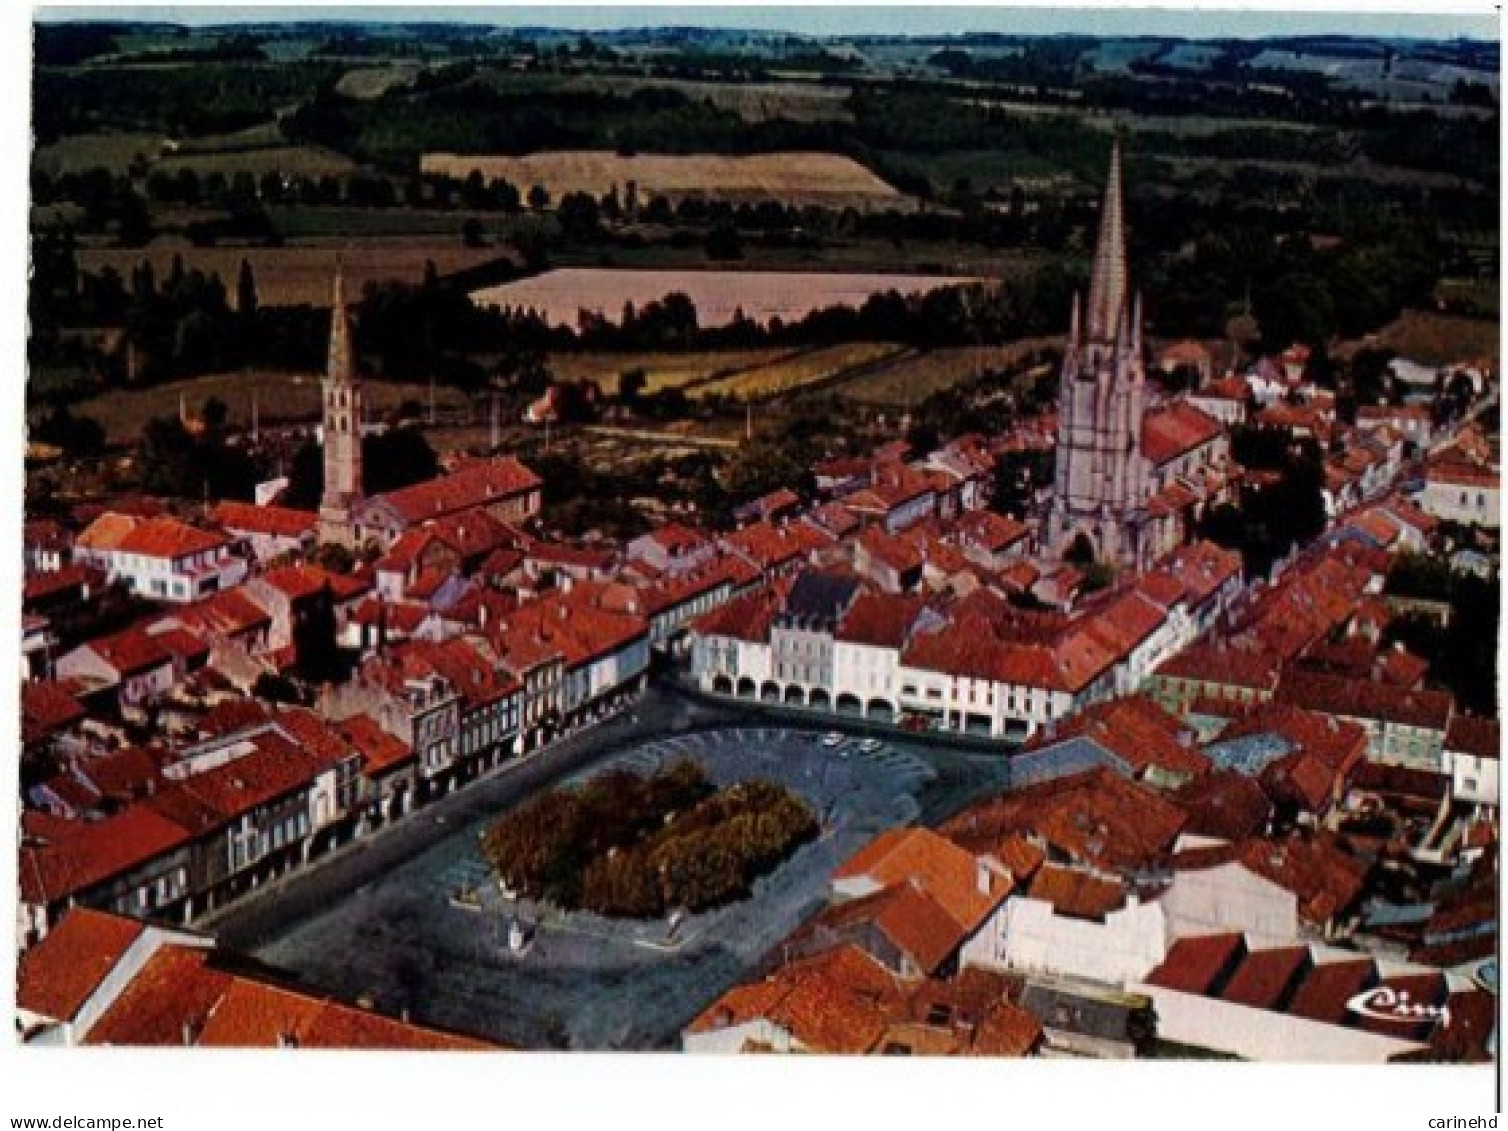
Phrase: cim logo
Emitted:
{"points": [[1387, 1004]]}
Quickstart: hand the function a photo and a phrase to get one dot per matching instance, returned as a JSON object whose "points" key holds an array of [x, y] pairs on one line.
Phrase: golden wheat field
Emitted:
{"points": [[799, 371], [562, 295], [664, 370], [793, 178], [914, 377]]}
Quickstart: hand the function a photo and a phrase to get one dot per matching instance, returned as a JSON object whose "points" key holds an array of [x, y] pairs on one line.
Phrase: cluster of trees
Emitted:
{"points": [[1298, 293], [540, 849], [640, 847], [1461, 650], [1272, 518], [180, 325], [390, 460], [704, 858], [174, 463]]}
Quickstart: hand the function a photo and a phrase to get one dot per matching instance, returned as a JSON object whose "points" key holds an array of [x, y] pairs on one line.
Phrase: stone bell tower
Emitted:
{"points": [[342, 414]]}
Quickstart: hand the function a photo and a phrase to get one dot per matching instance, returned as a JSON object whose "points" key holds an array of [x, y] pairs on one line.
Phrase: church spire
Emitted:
{"points": [[339, 368], [1107, 284]]}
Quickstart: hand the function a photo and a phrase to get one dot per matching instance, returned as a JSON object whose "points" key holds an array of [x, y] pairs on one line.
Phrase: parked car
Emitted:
{"points": [[870, 745], [832, 740]]}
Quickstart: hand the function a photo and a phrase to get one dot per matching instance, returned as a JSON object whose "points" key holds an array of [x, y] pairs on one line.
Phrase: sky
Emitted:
{"points": [[1475, 20]]}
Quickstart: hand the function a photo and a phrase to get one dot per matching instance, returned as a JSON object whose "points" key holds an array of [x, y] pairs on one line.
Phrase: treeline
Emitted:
{"points": [[184, 101], [970, 314], [185, 324], [180, 325], [639, 847]]}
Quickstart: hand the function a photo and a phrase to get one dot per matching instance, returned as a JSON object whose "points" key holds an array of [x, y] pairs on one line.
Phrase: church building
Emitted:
{"points": [[1127, 479], [506, 489]]}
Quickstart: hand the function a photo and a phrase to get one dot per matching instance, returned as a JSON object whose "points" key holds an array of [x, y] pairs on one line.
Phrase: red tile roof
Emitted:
{"points": [[276, 768], [1364, 699], [380, 751], [247, 518], [1175, 429], [124, 775], [1138, 731], [968, 649], [168, 538], [474, 533], [1263, 979], [1324, 992], [166, 1003], [1301, 781], [1338, 743], [580, 632], [131, 652], [1096, 817], [39, 587], [57, 976], [181, 643], [905, 914], [106, 532], [838, 1001], [179, 997], [1077, 894], [479, 483], [229, 612], [97, 851], [880, 620], [944, 871], [1202, 568], [1469, 735], [1460, 472], [1216, 663], [1195, 965], [1326, 881], [297, 582], [768, 547], [1125, 621], [748, 617], [989, 531], [46, 708], [1225, 804]]}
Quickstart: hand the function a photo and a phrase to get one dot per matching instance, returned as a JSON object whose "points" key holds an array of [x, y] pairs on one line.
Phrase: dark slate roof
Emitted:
{"points": [[819, 599], [1059, 1008]]}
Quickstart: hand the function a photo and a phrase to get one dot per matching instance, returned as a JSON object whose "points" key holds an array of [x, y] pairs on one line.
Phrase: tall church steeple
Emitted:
{"points": [[341, 397], [1102, 483], [1107, 280]]}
